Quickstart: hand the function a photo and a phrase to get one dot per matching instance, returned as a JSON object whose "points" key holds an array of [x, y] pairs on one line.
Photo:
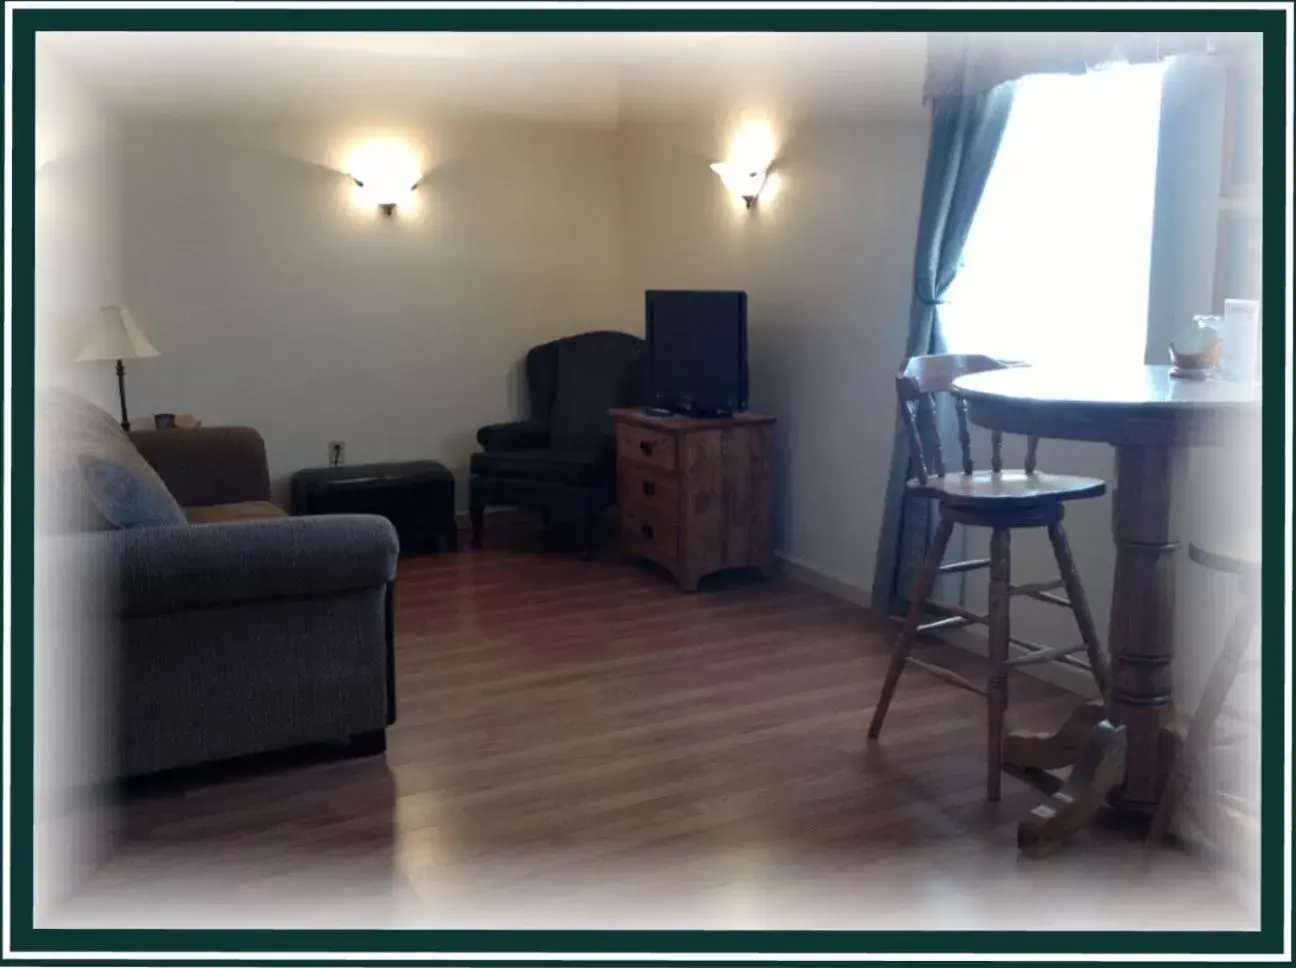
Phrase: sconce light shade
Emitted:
{"points": [[387, 174], [386, 194], [745, 169], [743, 181]]}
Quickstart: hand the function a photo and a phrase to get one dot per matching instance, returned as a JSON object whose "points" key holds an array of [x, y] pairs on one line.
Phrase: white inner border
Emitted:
{"points": [[5, 949]]}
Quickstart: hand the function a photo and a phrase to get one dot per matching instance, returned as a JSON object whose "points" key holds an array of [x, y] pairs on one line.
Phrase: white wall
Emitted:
{"points": [[278, 302], [78, 241]]}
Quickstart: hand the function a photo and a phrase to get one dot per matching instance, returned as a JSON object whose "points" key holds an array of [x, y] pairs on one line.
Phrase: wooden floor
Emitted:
{"points": [[580, 745]]}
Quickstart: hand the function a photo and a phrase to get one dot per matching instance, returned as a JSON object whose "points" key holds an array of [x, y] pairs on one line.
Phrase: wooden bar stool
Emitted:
{"points": [[1001, 500], [1236, 657]]}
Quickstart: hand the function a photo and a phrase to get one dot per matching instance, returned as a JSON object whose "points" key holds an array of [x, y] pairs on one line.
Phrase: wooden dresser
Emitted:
{"points": [[695, 495]]}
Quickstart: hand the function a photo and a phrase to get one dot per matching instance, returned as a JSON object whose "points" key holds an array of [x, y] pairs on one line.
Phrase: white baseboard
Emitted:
{"points": [[807, 574], [1063, 676]]}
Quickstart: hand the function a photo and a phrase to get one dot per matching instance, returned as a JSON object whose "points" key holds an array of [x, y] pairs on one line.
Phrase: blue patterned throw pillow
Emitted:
{"points": [[129, 495]]}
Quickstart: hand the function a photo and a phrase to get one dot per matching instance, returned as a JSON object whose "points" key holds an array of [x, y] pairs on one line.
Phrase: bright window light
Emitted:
{"points": [[1056, 266]]}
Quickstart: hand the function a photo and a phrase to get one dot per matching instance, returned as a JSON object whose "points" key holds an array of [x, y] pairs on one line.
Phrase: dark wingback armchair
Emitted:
{"points": [[562, 461]]}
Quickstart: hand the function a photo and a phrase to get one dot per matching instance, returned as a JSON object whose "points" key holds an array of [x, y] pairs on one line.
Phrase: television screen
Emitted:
{"points": [[697, 350]]}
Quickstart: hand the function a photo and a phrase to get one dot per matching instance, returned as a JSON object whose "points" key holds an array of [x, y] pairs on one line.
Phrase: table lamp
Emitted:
{"points": [[116, 336]]}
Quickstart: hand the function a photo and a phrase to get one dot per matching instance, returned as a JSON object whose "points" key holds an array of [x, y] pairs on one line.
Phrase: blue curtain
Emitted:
{"points": [[965, 135]]}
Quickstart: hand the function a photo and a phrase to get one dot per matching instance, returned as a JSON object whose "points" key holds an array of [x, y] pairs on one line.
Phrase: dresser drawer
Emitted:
{"points": [[646, 533], [645, 446], [645, 486]]}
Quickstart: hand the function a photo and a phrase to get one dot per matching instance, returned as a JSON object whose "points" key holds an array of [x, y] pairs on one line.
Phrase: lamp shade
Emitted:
{"points": [[116, 336]]}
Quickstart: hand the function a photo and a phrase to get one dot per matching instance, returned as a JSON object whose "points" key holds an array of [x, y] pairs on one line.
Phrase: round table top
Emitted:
{"points": [[1135, 404]]}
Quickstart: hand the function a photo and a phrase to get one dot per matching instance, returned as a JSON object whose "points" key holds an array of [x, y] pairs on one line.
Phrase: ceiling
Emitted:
{"points": [[590, 77]]}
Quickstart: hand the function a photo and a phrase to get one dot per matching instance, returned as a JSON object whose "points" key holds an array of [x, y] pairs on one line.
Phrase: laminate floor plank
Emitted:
{"points": [[581, 745]]}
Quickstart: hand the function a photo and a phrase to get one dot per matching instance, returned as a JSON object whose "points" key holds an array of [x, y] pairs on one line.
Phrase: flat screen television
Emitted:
{"points": [[697, 350]]}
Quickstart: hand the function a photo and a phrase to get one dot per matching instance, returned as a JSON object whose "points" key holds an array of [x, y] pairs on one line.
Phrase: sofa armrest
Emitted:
{"points": [[520, 435], [208, 465], [156, 570]]}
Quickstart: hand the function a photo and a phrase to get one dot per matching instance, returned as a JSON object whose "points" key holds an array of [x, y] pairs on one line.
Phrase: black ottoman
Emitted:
{"points": [[417, 497]]}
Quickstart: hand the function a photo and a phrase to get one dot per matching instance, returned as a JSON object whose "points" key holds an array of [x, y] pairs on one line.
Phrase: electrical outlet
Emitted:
{"points": [[337, 453]]}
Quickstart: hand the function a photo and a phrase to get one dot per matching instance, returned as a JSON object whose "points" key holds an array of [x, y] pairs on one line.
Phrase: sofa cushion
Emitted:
{"points": [[63, 503], [554, 466], [207, 465], [241, 511], [128, 493], [93, 476]]}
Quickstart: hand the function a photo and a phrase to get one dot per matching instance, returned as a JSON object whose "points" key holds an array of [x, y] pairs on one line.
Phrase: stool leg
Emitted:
{"points": [[1080, 608], [997, 670], [1240, 635], [922, 590]]}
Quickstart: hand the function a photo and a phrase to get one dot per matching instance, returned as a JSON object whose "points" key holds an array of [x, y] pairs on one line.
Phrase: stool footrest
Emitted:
{"points": [[953, 622], [949, 608], [951, 677], [1042, 592], [1037, 654], [953, 568]]}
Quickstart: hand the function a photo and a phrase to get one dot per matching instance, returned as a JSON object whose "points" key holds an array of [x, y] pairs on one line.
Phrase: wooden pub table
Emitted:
{"points": [[1122, 754]]}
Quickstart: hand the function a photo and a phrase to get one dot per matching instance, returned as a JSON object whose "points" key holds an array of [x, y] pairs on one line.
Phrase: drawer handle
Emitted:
{"points": [[649, 488], [647, 530], [646, 447]]}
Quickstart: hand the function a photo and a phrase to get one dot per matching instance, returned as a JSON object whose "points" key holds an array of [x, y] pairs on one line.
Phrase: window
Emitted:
{"points": [[1056, 266]]}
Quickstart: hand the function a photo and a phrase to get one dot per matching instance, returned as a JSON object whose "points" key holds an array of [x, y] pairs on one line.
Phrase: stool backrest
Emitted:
{"points": [[917, 385]]}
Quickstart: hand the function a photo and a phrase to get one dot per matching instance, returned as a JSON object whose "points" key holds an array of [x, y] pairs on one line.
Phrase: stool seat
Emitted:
{"points": [[994, 489]]}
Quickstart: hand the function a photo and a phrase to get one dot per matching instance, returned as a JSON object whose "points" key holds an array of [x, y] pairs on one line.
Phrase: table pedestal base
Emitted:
{"points": [[1095, 749], [1125, 756], [1121, 753]]}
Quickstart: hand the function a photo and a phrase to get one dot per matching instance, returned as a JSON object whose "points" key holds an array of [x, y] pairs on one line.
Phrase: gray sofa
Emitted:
{"points": [[238, 630]]}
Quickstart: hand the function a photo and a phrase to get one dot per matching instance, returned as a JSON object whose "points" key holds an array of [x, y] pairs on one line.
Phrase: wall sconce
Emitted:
{"points": [[386, 195], [387, 174], [740, 180], [745, 171]]}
